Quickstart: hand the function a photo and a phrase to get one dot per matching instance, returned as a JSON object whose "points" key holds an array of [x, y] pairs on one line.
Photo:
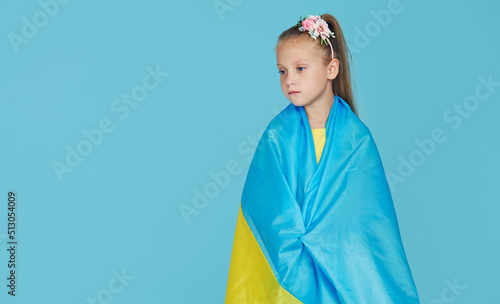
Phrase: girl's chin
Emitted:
{"points": [[297, 103]]}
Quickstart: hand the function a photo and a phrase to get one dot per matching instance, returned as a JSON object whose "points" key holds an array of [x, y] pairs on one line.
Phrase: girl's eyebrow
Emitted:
{"points": [[300, 60]]}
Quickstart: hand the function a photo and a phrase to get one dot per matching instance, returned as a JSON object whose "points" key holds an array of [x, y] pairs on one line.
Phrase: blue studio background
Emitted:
{"points": [[117, 115]]}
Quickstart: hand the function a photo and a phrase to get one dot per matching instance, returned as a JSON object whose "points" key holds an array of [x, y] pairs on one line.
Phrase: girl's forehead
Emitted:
{"points": [[290, 52], [297, 43]]}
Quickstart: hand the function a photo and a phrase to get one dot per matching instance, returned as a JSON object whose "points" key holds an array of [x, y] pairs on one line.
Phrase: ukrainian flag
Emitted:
{"points": [[318, 232]]}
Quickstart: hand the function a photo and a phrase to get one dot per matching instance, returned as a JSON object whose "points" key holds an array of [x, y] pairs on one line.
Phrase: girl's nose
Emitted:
{"points": [[290, 82]]}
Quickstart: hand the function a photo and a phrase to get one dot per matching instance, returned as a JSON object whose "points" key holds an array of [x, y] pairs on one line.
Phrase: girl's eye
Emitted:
{"points": [[281, 72], [299, 68]]}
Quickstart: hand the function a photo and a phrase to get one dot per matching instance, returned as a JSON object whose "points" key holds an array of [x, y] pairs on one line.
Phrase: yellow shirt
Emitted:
{"points": [[319, 141]]}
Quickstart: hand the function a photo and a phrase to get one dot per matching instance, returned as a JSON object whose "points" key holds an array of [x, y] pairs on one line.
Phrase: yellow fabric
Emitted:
{"points": [[251, 279], [319, 137]]}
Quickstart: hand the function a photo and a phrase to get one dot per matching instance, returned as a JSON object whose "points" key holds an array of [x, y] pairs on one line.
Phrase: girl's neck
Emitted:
{"points": [[317, 114]]}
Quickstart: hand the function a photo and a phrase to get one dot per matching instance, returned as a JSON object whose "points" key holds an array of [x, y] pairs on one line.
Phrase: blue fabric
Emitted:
{"points": [[329, 231]]}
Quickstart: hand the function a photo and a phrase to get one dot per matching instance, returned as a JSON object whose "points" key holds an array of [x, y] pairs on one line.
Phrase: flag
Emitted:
{"points": [[324, 232]]}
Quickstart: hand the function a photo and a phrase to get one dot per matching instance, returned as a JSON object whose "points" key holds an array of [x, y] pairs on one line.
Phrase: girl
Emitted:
{"points": [[316, 222]]}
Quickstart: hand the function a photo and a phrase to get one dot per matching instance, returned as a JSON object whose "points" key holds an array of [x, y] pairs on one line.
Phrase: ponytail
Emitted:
{"points": [[341, 85]]}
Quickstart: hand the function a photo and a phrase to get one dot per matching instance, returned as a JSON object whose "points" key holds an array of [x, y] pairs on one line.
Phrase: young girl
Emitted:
{"points": [[316, 222]]}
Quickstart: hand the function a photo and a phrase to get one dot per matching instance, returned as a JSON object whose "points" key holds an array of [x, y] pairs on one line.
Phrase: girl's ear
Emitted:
{"points": [[333, 69]]}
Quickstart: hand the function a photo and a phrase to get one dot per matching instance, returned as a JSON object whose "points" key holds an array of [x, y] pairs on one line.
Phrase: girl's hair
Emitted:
{"points": [[341, 85]]}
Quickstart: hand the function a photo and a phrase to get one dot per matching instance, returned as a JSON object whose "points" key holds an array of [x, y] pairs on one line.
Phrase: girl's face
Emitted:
{"points": [[304, 79]]}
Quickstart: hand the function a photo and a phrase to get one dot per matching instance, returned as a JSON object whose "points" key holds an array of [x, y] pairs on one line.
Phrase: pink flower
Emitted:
{"points": [[316, 27], [321, 29], [308, 24]]}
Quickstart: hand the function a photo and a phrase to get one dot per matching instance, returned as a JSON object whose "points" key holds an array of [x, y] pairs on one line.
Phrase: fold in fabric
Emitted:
{"points": [[324, 232]]}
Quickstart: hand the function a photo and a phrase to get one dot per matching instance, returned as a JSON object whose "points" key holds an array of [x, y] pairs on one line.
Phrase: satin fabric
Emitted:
{"points": [[327, 231]]}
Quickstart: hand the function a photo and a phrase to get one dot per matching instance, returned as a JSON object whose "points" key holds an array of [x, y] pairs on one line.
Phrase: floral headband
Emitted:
{"points": [[316, 27]]}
